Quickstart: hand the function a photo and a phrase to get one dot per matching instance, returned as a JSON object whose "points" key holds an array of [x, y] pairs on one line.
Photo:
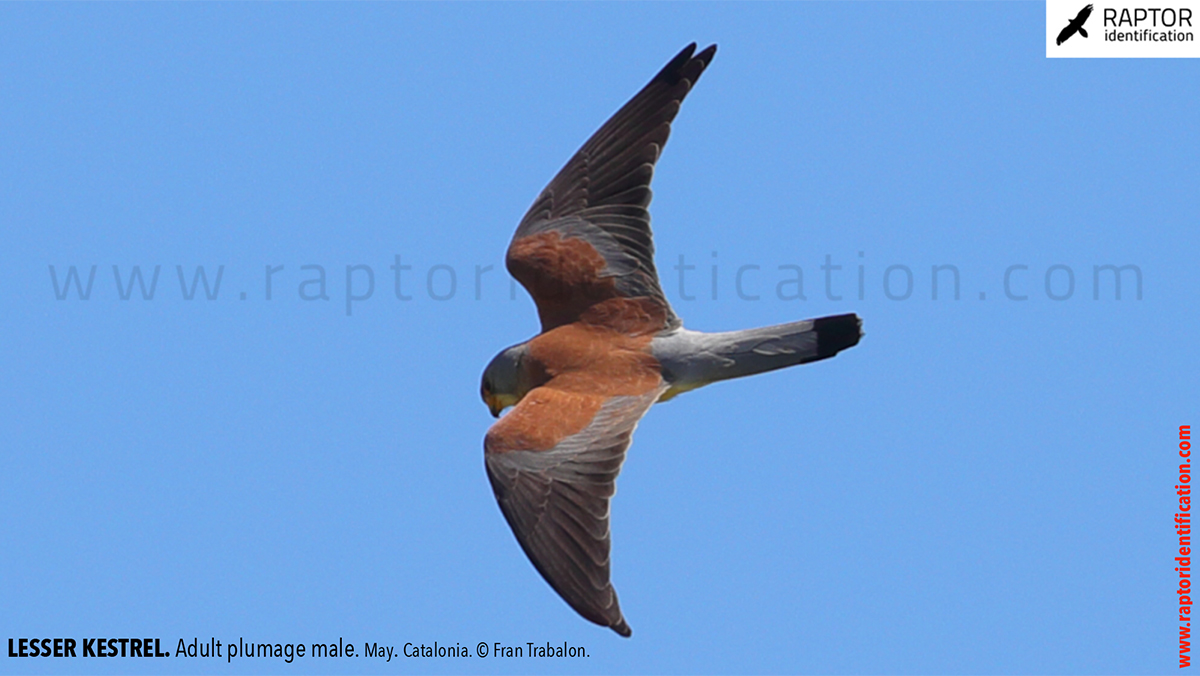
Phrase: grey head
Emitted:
{"points": [[504, 383]]}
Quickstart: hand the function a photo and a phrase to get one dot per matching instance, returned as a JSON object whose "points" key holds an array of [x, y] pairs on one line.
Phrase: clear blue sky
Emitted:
{"points": [[982, 485]]}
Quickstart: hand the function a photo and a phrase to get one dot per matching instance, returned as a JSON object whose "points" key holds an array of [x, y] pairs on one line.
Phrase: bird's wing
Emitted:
{"points": [[553, 463], [1065, 33], [1082, 16], [587, 239]]}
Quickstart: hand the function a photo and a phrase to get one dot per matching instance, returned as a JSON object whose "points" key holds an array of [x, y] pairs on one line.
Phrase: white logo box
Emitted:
{"points": [[1136, 29]]}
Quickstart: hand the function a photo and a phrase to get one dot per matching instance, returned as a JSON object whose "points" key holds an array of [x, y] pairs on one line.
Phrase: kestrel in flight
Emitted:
{"points": [[610, 347]]}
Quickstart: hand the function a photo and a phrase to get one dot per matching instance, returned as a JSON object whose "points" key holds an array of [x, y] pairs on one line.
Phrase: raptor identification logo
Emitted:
{"points": [[1123, 29]]}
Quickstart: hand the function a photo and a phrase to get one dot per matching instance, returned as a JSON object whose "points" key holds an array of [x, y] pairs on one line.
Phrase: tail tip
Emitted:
{"points": [[837, 333]]}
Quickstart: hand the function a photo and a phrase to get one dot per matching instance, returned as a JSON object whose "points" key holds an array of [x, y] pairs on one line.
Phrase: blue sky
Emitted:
{"points": [[982, 485]]}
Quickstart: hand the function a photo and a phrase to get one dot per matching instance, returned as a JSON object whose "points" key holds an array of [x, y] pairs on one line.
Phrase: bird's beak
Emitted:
{"points": [[494, 405]]}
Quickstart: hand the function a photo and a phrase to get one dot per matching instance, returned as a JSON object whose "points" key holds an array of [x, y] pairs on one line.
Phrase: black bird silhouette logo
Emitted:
{"points": [[1076, 25]]}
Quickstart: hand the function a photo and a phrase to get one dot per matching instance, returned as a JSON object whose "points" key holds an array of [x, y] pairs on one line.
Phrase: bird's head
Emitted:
{"points": [[504, 383]]}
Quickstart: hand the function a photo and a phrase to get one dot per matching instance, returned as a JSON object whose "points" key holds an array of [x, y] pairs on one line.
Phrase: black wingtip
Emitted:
{"points": [[837, 333], [676, 67], [621, 628]]}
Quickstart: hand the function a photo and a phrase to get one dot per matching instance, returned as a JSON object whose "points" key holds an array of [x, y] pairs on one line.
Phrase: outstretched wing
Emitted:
{"points": [[553, 463], [1082, 16], [587, 239]]}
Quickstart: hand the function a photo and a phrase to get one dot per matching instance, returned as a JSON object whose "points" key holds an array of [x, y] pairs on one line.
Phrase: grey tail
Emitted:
{"points": [[775, 347], [742, 353]]}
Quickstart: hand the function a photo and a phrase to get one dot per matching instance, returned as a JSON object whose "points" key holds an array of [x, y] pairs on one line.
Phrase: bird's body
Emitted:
{"points": [[596, 361], [610, 347]]}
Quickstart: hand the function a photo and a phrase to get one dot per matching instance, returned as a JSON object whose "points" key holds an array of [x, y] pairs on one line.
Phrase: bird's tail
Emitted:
{"points": [[1083, 32], [704, 358], [768, 348]]}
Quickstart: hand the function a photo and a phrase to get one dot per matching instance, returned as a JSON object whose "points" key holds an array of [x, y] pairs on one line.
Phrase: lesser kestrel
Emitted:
{"points": [[610, 347]]}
